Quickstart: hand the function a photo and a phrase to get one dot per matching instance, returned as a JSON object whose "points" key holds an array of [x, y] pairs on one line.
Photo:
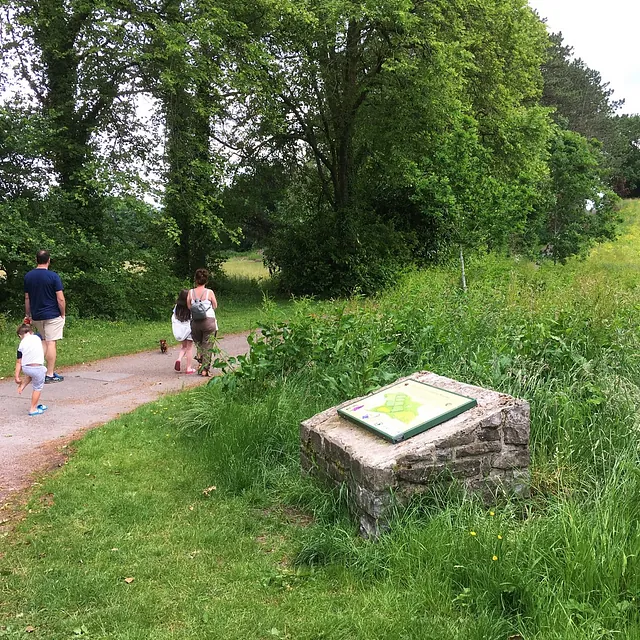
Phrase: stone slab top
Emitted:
{"points": [[374, 451]]}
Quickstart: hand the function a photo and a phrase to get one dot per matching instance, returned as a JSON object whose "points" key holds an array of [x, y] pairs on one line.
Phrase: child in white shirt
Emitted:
{"points": [[30, 359], [181, 324]]}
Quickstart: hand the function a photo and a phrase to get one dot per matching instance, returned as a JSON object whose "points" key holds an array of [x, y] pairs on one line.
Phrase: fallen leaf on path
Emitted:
{"points": [[129, 580], [30, 629]]}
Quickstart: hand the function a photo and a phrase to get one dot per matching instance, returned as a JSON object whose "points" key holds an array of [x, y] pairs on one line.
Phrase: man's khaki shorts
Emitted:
{"points": [[50, 329]]}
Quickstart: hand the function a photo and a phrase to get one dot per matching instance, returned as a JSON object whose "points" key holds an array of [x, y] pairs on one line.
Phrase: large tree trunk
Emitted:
{"points": [[346, 93], [188, 180], [56, 34], [189, 189]]}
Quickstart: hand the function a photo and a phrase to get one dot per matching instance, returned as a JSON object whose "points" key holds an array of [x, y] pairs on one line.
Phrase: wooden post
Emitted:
{"points": [[464, 277]]}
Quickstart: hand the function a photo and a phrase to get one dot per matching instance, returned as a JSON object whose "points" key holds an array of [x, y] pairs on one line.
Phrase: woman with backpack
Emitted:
{"points": [[202, 303]]}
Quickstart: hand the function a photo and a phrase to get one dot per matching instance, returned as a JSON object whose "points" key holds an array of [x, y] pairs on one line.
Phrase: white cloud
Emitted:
{"points": [[604, 35]]}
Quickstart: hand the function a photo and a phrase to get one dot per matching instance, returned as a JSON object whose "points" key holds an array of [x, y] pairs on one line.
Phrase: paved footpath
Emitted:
{"points": [[90, 395]]}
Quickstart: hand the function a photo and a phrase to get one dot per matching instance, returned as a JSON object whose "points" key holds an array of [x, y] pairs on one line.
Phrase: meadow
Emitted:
{"points": [[188, 518], [248, 264]]}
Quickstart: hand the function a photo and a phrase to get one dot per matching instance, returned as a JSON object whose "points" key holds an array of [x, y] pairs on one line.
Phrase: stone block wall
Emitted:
{"points": [[485, 448]]}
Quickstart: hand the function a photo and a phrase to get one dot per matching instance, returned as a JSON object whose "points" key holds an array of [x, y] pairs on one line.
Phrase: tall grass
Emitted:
{"points": [[562, 564]]}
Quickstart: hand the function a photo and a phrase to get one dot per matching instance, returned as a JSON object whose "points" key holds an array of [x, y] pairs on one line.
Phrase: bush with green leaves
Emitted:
{"points": [[577, 209], [328, 254], [340, 352], [123, 272]]}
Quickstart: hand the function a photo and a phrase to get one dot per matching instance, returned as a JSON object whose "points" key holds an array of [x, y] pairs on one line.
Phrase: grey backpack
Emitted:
{"points": [[199, 308]]}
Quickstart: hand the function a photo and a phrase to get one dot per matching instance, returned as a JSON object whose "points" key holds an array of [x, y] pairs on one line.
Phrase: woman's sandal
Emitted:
{"points": [[176, 366], [188, 371]]}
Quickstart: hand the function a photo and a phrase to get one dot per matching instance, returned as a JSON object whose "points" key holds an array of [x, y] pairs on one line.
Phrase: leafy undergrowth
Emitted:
{"points": [[267, 554]]}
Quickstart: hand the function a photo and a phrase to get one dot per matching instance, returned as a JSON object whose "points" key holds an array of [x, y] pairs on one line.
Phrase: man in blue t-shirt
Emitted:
{"points": [[44, 304]]}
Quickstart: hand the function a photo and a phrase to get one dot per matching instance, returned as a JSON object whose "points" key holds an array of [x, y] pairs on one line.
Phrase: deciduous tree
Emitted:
{"points": [[420, 119]]}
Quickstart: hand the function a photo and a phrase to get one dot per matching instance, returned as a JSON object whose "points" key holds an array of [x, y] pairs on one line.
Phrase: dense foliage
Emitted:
{"points": [[569, 225], [347, 139], [124, 275]]}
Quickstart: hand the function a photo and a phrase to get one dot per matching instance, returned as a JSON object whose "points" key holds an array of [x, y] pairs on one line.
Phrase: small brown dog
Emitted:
{"points": [[163, 346]]}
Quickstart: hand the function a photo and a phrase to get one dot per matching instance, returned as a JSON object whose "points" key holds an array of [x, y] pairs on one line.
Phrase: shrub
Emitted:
{"points": [[329, 254], [122, 273]]}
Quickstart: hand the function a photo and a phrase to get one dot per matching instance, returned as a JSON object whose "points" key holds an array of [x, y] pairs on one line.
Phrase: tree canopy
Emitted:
{"points": [[582, 102], [140, 139]]}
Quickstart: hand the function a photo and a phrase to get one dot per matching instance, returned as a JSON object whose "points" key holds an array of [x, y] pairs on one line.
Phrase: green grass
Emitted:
{"points": [[248, 265], [132, 503], [267, 554]]}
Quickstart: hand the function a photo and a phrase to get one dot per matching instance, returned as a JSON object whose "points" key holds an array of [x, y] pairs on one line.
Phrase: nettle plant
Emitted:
{"points": [[345, 352]]}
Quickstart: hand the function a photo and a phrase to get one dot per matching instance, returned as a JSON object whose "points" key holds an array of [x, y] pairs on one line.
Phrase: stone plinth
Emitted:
{"points": [[485, 448]]}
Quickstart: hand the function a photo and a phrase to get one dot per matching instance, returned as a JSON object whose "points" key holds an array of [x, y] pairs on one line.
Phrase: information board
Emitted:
{"points": [[406, 408]]}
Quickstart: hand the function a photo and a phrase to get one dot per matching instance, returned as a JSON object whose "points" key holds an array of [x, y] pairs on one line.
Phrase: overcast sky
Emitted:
{"points": [[605, 35]]}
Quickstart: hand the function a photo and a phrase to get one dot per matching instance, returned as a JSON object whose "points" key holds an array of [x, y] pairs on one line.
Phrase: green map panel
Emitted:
{"points": [[405, 409]]}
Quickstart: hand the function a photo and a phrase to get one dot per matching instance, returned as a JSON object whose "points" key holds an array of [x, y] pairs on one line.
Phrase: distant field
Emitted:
{"points": [[246, 265]]}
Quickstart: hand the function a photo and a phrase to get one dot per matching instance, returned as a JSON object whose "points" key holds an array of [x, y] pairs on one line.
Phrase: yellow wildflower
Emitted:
{"points": [[472, 533], [494, 558], [499, 537]]}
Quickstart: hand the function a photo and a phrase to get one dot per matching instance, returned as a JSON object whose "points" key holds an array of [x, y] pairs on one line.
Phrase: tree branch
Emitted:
{"points": [[310, 137]]}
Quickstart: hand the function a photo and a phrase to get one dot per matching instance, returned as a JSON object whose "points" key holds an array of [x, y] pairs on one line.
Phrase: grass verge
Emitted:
{"points": [[149, 534]]}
